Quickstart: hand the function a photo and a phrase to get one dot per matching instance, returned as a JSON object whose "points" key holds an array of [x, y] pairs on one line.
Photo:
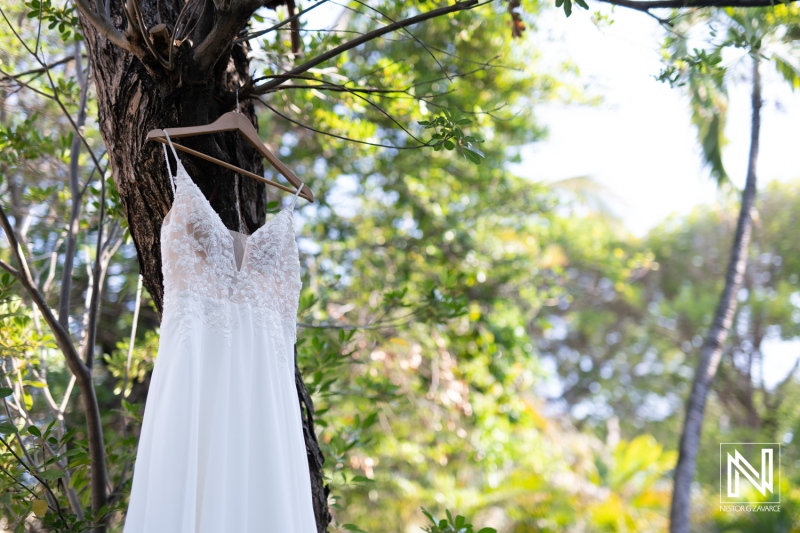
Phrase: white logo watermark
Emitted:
{"points": [[747, 470]]}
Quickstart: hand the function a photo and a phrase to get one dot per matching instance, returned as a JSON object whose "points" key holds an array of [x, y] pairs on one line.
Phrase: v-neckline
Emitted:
{"points": [[215, 215]]}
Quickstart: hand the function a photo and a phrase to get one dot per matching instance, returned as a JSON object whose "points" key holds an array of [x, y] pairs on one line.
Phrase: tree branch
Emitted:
{"points": [[226, 26], [75, 210], [104, 254], [280, 24], [41, 70], [297, 44], [82, 374], [180, 31], [14, 272], [337, 136], [104, 26], [355, 92], [645, 5], [146, 37], [459, 6], [54, 96], [407, 32]]}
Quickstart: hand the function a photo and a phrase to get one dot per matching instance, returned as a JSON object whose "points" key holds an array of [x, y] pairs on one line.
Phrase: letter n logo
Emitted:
{"points": [[750, 472]]}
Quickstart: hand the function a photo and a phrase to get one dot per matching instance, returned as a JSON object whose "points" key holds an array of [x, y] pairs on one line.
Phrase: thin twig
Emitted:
{"points": [[279, 24], [41, 70], [405, 30], [342, 137], [189, 10], [133, 338], [79, 371], [39, 29], [355, 92], [97, 281], [644, 5], [304, 67], [36, 475], [14, 272], [52, 87], [146, 38], [26, 85], [75, 210]]}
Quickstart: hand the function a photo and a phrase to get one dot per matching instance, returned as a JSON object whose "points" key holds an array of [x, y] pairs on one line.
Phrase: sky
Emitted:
{"points": [[639, 143]]}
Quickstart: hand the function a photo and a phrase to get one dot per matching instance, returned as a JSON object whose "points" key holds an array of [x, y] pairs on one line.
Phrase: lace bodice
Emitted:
{"points": [[207, 266]]}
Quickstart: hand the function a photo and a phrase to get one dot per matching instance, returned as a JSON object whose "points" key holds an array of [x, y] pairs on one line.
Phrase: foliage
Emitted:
{"points": [[444, 296], [450, 136], [567, 5], [62, 19], [451, 525], [705, 72]]}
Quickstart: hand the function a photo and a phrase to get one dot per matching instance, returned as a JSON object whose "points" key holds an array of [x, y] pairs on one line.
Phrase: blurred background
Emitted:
{"points": [[513, 340]]}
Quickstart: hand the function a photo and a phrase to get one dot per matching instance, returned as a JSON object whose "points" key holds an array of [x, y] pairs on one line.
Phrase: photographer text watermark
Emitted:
{"points": [[750, 476]]}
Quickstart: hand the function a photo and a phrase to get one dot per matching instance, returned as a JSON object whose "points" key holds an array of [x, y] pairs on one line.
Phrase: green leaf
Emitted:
{"points": [[33, 430], [789, 71], [474, 150], [5, 391], [7, 427], [472, 157], [40, 508], [51, 473]]}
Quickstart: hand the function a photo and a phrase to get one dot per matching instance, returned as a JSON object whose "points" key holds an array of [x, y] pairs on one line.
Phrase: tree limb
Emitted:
{"points": [[723, 320], [41, 70], [75, 210], [226, 26], [646, 5], [83, 375], [14, 272], [104, 26], [459, 6], [337, 136], [407, 32], [297, 44], [289, 20]]}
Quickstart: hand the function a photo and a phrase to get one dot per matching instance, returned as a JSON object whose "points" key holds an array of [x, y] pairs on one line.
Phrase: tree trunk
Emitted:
{"points": [[711, 351], [134, 97]]}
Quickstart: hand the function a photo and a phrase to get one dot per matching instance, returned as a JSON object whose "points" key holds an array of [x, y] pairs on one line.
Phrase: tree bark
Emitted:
{"points": [[136, 95], [711, 350]]}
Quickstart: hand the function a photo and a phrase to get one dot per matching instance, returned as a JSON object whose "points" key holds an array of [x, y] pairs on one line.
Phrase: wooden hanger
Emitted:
{"points": [[231, 121]]}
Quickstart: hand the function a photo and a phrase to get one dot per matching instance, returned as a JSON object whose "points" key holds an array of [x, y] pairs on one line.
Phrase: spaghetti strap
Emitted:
{"points": [[170, 144], [166, 158], [294, 200], [169, 170]]}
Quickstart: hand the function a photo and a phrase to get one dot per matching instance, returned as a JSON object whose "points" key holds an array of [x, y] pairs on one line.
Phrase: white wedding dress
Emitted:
{"points": [[221, 448]]}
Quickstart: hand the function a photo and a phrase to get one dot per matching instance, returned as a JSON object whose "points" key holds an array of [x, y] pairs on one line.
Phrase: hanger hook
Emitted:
{"points": [[237, 99]]}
